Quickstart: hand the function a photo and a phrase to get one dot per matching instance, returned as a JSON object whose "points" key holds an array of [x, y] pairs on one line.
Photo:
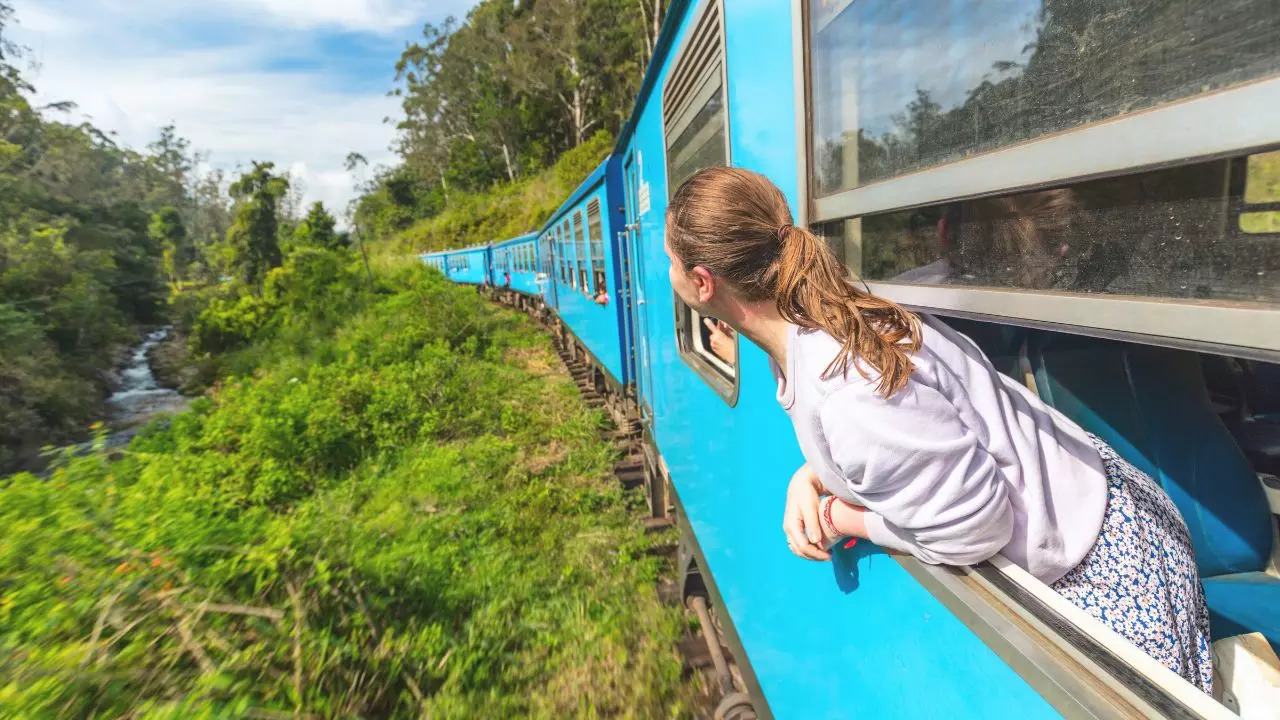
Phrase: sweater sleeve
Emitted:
{"points": [[933, 490]]}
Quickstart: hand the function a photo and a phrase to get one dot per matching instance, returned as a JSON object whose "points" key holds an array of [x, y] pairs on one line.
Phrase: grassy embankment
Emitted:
{"points": [[397, 508]]}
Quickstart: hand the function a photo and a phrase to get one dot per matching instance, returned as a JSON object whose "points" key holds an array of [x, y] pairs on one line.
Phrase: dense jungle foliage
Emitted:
{"points": [[491, 104], [409, 514], [98, 240], [388, 500]]}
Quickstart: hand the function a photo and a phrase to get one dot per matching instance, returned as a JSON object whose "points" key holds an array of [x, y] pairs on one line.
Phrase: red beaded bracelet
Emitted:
{"points": [[826, 516]]}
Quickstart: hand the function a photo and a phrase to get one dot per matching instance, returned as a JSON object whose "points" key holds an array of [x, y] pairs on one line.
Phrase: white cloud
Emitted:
{"points": [[114, 59], [367, 15]]}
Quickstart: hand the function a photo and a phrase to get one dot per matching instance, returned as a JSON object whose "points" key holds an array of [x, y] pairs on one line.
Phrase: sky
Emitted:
{"points": [[297, 82]]}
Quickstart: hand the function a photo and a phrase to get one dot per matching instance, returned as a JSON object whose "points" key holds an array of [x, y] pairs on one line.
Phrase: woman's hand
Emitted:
{"points": [[800, 518], [721, 340]]}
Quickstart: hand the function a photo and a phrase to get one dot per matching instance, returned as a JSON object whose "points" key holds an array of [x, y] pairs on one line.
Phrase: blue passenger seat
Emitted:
{"points": [[1152, 406], [1259, 431], [1002, 344]]}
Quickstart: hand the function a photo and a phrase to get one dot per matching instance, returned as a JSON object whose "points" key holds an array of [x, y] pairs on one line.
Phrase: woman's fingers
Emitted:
{"points": [[793, 525], [797, 539], [813, 530]]}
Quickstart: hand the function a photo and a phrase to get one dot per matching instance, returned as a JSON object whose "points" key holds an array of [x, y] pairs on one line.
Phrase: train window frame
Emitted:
{"points": [[698, 75], [1166, 135], [567, 232], [1172, 132], [581, 260], [559, 253], [595, 238]]}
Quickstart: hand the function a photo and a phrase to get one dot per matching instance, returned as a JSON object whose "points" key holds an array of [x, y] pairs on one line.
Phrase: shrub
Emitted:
{"points": [[411, 519]]}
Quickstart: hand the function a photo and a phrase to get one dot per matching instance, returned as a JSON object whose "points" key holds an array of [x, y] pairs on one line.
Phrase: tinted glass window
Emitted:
{"points": [[899, 86], [1175, 233], [700, 145]]}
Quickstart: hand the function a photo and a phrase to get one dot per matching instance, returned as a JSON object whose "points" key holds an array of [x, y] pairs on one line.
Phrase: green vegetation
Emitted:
{"points": [[88, 232], [509, 209], [98, 241], [490, 105], [410, 514], [388, 502]]}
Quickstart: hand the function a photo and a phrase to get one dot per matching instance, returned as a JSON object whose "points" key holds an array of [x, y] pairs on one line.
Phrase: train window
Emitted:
{"points": [[564, 257], [898, 87], [595, 231], [580, 252], [1172, 233], [696, 131], [567, 234]]}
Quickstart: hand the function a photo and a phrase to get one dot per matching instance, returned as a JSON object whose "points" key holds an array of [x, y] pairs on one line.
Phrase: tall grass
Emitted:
{"points": [[412, 516]]}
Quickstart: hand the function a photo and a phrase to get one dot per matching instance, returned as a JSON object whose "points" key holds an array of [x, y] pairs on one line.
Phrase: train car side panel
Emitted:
{"points": [[824, 640]]}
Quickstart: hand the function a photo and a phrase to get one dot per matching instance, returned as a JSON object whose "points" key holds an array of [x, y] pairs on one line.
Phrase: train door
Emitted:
{"points": [[640, 357], [546, 271], [625, 296]]}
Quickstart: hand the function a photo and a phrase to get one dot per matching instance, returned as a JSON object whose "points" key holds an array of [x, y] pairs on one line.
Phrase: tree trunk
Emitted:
{"points": [[506, 156], [576, 112]]}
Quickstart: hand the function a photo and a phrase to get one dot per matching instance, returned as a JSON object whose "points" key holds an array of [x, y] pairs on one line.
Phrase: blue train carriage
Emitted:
{"points": [[517, 259], [469, 266], [516, 272], [1106, 239], [437, 260], [582, 263]]}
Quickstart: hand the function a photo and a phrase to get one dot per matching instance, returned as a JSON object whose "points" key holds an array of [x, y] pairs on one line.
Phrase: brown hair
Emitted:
{"points": [[1015, 240], [737, 225]]}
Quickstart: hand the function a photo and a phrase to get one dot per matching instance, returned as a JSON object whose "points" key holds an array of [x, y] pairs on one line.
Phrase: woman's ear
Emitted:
{"points": [[704, 282]]}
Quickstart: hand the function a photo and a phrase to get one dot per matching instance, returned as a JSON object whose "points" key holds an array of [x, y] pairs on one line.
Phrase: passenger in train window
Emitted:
{"points": [[927, 448], [719, 337], [602, 297], [1016, 241]]}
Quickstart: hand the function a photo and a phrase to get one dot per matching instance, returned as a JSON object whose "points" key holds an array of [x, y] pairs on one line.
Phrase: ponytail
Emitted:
{"points": [[814, 291], [736, 223]]}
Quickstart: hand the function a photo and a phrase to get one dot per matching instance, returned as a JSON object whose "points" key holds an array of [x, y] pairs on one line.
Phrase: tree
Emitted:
{"points": [[252, 238], [318, 229], [168, 230]]}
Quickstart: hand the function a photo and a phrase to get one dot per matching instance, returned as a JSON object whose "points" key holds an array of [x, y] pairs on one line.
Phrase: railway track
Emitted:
{"points": [[703, 650]]}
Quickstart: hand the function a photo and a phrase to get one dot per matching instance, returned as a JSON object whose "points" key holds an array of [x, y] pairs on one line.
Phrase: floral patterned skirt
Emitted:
{"points": [[1140, 576]]}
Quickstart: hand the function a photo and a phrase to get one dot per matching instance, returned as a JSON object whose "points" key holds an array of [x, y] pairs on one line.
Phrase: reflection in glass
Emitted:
{"points": [[1176, 233], [900, 86], [700, 145]]}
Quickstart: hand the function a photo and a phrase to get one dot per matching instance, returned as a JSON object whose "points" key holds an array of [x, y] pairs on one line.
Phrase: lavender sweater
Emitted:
{"points": [[962, 464]]}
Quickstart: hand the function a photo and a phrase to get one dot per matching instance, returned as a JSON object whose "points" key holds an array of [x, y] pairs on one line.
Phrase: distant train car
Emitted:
{"points": [[436, 260], [516, 259], [1100, 214], [469, 266], [583, 270]]}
